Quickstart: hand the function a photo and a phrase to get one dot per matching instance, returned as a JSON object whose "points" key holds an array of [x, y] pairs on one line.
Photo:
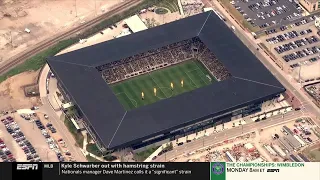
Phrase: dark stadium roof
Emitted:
{"points": [[115, 126]]}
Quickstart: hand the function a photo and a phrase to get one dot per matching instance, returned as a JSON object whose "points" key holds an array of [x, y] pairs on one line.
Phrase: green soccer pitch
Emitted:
{"points": [[192, 72]]}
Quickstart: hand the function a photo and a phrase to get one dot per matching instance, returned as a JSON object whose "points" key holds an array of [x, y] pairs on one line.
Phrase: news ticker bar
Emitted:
{"points": [[210, 171]]}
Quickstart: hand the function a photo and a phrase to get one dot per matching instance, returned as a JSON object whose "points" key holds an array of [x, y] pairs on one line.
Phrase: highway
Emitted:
{"points": [[227, 134], [43, 45]]}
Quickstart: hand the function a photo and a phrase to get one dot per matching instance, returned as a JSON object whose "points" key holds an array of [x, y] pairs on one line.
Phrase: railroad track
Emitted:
{"points": [[21, 57]]}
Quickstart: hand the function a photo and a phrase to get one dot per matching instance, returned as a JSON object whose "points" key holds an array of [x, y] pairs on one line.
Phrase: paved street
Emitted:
{"points": [[227, 134], [62, 130]]}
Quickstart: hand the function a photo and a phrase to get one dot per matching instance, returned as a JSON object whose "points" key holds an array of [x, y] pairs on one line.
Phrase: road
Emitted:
{"points": [[227, 134], [43, 45], [62, 130], [251, 43]]}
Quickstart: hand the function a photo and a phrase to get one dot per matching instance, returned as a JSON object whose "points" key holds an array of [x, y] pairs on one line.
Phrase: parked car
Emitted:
{"points": [[34, 108]]}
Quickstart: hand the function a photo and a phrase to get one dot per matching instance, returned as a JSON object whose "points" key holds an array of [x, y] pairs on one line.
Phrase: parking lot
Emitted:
{"points": [[267, 13], [297, 45], [7, 143], [27, 142]]}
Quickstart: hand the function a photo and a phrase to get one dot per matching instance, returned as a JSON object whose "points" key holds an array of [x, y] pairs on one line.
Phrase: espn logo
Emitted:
{"points": [[27, 166], [273, 170]]}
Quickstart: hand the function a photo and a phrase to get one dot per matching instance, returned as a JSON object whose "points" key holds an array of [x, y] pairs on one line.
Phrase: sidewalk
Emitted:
{"points": [[43, 80]]}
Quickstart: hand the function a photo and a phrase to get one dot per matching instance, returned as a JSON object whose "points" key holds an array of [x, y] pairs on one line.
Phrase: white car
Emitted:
{"points": [[34, 108], [46, 116]]}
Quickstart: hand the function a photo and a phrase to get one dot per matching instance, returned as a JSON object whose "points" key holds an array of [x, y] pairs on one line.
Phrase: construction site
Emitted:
{"points": [[239, 149], [280, 143], [286, 142]]}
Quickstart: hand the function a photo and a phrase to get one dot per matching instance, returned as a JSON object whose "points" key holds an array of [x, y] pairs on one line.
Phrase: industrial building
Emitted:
{"points": [[294, 158], [300, 140], [285, 144], [303, 157], [230, 157], [310, 5], [113, 127], [293, 142], [279, 150], [288, 130], [270, 150]]}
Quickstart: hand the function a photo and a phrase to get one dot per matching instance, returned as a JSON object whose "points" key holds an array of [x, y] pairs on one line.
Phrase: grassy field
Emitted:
{"points": [[37, 61], [141, 156], [92, 148], [77, 135], [314, 154], [193, 74], [172, 5]]}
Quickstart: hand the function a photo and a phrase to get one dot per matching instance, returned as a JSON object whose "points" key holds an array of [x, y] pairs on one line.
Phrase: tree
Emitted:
{"points": [[122, 153]]}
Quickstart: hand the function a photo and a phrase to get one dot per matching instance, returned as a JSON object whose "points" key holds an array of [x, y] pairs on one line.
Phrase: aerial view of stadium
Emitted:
{"points": [[153, 76], [166, 82]]}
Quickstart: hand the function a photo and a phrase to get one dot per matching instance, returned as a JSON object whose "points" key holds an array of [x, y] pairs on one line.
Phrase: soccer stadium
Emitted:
{"points": [[162, 83]]}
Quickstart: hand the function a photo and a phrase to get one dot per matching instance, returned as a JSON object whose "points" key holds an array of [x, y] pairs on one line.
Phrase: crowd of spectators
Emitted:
{"points": [[192, 7], [162, 57]]}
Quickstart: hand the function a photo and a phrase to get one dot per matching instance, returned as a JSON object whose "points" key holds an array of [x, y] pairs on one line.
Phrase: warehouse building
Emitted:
{"points": [[285, 144], [293, 142]]}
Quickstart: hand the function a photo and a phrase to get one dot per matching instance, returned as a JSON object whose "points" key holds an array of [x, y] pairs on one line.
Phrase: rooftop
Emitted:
{"points": [[77, 72]]}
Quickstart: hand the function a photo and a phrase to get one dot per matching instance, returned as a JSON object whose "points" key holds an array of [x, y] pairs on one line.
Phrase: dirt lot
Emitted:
{"points": [[151, 19], [12, 94], [43, 18], [266, 137]]}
